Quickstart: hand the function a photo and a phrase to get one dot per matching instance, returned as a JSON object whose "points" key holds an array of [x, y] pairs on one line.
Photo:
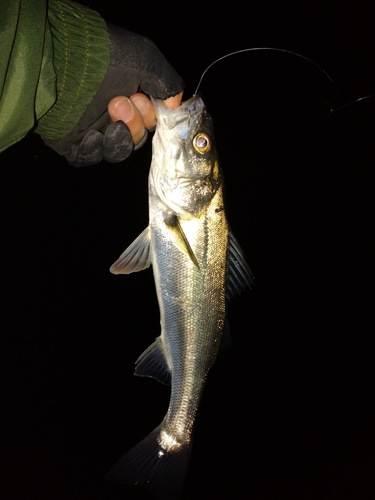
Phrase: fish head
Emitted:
{"points": [[185, 169]]}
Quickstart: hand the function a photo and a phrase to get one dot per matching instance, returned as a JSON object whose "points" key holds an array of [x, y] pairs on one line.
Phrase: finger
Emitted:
{"points": [[144, 105], [146, 108], [174, 101], [90, 151], [122, 108], [117, 142]]}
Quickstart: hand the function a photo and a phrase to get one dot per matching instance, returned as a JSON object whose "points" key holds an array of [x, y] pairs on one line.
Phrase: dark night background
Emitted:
{"points": [[288, 412]]}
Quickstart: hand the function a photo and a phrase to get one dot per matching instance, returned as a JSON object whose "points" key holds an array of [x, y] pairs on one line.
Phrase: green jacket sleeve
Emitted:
{"points": [[54, 55]]}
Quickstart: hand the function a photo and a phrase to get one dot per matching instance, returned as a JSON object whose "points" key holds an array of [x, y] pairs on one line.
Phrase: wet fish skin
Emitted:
{"points": [[197, 266]]}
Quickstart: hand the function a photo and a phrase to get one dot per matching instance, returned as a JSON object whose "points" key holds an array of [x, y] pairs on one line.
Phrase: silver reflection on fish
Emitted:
{"points": [[197, 266]]}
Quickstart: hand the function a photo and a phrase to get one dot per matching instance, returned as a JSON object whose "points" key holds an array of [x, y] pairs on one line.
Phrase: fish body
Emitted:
{"points": [[197, 266]]}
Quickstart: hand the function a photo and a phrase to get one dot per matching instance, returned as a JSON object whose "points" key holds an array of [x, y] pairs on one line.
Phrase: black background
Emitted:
{"points": [[288, 411]]}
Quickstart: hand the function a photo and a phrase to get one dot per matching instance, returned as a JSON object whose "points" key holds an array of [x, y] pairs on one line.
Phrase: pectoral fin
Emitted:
{"points": [[152, 363], [239, 275], [180, 238], [136, 257]]}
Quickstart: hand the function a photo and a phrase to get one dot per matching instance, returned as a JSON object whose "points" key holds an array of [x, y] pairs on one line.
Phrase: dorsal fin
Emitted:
{"points": [[239, 275]]}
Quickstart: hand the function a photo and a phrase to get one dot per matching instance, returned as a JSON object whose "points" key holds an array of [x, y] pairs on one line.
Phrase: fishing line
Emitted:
{"points": [[253, 49], [348, 104]]}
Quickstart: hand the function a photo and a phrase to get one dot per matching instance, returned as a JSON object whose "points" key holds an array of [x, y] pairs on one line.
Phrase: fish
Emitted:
{"points": [[198, 266]]}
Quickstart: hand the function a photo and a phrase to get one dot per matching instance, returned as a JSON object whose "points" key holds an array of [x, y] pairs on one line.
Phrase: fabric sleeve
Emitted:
{"points": [[22, 36], [54, 57], [81, 52]]}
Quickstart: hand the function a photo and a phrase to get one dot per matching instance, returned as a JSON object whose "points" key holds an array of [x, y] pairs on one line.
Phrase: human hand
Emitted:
{"points": [[137, 112], [135, 63]]}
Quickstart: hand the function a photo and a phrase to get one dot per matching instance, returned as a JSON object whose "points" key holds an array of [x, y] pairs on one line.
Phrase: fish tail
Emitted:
{"points": [[148, 463]]}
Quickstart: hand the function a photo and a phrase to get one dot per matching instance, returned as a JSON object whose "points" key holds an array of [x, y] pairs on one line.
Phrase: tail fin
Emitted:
{"points": [[162, 472]]}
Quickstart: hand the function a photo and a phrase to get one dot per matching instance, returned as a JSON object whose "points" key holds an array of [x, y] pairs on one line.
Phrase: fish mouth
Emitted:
{"points": [[170, 118]]}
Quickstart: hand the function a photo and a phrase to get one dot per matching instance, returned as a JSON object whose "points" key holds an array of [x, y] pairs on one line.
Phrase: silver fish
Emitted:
{"points": [[197, 265]]}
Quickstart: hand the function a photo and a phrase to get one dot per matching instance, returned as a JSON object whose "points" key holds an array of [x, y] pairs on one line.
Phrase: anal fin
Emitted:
{"points": [[152, 363]]}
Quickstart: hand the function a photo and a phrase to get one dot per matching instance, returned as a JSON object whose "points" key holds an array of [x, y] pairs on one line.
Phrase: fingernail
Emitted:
{"points": [[142, 104], [123, 110]]}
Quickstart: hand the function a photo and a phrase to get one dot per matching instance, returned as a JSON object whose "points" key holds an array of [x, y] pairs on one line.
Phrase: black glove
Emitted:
{"points": [[135, 63]]}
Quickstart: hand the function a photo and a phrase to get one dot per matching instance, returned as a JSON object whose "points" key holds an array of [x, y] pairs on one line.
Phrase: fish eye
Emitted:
{"points": [[202, 143]]}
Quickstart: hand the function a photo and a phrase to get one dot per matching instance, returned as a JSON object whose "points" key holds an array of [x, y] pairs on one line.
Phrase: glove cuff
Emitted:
{"points": [[81, 55]]}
